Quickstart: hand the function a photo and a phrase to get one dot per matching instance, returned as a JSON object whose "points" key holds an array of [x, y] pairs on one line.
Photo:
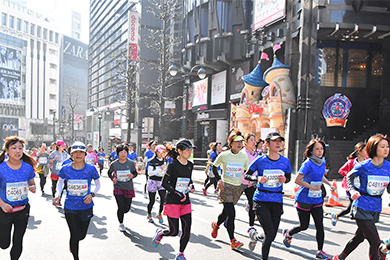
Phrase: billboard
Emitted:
{"points": [[133, 35], [218, 88], [10, 75], [237, 83], [8, 127], [190, 95], [268, 11], [200, 92]]}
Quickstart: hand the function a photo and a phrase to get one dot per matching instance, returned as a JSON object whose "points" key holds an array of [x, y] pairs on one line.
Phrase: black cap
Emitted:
{"points": [[184, 144], [273, 136]]}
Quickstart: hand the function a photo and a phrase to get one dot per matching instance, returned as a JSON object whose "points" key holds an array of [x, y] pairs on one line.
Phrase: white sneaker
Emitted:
{"points": [[122, 228], [145, 195]]}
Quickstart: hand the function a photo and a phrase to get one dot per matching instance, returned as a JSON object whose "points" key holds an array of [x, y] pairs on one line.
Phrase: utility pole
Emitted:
{"points": [[54, 126]]}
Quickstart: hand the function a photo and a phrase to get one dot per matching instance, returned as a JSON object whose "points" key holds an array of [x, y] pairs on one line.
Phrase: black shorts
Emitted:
{"points": [[84, 214], [8, 218]]}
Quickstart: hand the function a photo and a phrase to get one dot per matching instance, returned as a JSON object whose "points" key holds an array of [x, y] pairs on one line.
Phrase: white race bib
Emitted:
{"points": [[315, 193], [356, 182], [17, 191], [122, 175], [272, 175], [234, 170], [90, 160], [58, 166], [376, 184], [77, 187], [160, 173], [42, 160], [182, 185]]}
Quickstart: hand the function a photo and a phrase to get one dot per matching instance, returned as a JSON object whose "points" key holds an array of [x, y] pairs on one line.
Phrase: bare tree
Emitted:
{"points": [[162, 41], [71, 101]]}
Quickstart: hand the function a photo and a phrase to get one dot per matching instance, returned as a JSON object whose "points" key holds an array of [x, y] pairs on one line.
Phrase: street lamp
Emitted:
{"points": [[173, 70]]}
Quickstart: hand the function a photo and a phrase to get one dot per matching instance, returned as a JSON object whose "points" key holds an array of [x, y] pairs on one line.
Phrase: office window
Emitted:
{"points": [[51, 36], [25, 27], [39, 31], [357, 64], [3, 19], [44, 33], [56, 38], [32, 29], [18, 24], [376, 69], [11, 22], [52, 97]]}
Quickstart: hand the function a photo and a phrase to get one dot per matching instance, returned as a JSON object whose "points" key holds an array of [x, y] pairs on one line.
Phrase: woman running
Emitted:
{"points": [[56, 159], [234, 163], [216, 148], [374, 177], [357, 156], [149, 155], [16, 179], [43, 167], [178, 182], [309, 197], [101, 155], [156, 171], [78, 202], [273, 170], [122, 172]]}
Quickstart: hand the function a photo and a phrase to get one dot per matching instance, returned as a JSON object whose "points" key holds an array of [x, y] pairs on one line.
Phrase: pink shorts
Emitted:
{"points": [[177, 210]]}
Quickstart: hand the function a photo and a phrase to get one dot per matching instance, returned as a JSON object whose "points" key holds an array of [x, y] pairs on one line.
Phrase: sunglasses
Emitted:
{"points": [[78, 147]]}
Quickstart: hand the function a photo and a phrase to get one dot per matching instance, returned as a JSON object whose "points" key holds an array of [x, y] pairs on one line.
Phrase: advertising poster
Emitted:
{"points": [[10, 74], [8, 127], [191, 94], [133, 35], [218, 88], [268, 11], [237, 83], [200, 92]]}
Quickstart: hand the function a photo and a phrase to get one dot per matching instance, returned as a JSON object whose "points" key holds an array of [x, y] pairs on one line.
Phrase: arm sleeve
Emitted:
{"points": [[134, 172], [288, 177], [166, 181], [345, 168], [60, 186], [152, 171], [249, 176], [110, 171], [350, 181], [97, 185]]}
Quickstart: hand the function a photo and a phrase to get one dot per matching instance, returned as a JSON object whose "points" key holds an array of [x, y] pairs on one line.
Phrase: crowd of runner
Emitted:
{"points": [[256, 168]]}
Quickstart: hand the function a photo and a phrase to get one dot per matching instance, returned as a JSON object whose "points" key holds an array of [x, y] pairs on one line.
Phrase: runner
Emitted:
{"points": [[212, 180], [78, 203], [156, 171], [357, 156], [101, 155], [43, 167], [249, 187], [113, 155], [208, 167], [178, 182], [121, 172], [309, 198], [56, 159], [149, 154], [374, 176], [132, 155], [91, 157], [234, 162], [16, 174], [273, 170]]}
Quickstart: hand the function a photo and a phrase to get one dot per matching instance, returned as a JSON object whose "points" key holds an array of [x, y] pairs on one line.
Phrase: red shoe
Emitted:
{"points": [[214, 232], [204, 191], [235, 244]]}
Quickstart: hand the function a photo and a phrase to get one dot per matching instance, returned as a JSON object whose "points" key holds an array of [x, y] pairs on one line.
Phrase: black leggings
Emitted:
{"points": [[124, 205], [229, 214], [212, 181], [304, 219], [249, 195], [78, 230], [269, 214], [42, 182], [54, 187], [347, 210], [101, 166], [174, 229], [19, 220], [152, 199], [206, 180], [366, 230]]}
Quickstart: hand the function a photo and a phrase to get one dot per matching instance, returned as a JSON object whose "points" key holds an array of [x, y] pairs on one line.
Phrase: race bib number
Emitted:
{"points": [[315, 193], [356, 182], [376, 184], [42, 160], [90, 160], [122, 175], [77, 187], [58, 166], [17, 191], [182, 184], [160, 172], [234, 170], [273, 178]]}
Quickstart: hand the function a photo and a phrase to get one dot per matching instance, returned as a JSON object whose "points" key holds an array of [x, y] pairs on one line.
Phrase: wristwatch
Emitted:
{"points": [[92, 194]]}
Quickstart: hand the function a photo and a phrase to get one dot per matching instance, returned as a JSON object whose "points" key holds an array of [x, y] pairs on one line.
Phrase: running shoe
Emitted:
{"points": [[180, 256], [252, 235], [216, 191], [122, 227], [204, 191], [322, 255], [214, 232], [150, 219], [286, 238], [160, 218], [235, 244], [145, 195], [157, 237], [336, 257], [334, 219]]}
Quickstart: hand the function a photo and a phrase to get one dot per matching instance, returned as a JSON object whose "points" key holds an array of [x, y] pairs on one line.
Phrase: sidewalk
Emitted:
{"points": [[199, 177]]}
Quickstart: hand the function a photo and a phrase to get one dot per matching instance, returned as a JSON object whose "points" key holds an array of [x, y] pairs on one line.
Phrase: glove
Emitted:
{"points": [[181, 196]]}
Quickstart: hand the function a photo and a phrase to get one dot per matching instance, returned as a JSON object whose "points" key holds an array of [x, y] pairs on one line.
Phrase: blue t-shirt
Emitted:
{"points": [[132, 156], [169, 159], [313, 175], [113, 155], [101, 157], [79, 185], [214, 156], [271, 170], [373, 181], [148, 154], [14, 183]]}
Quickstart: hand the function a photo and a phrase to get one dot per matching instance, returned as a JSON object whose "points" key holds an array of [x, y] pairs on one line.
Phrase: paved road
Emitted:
{"points": [[47, 235]]}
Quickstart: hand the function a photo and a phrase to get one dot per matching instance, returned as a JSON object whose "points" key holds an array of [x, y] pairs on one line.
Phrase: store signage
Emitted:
{"points": [[336, 110], [200, 92], [202, 116], [268, 11], [254, 109], [218, 88], [133, 35]]}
